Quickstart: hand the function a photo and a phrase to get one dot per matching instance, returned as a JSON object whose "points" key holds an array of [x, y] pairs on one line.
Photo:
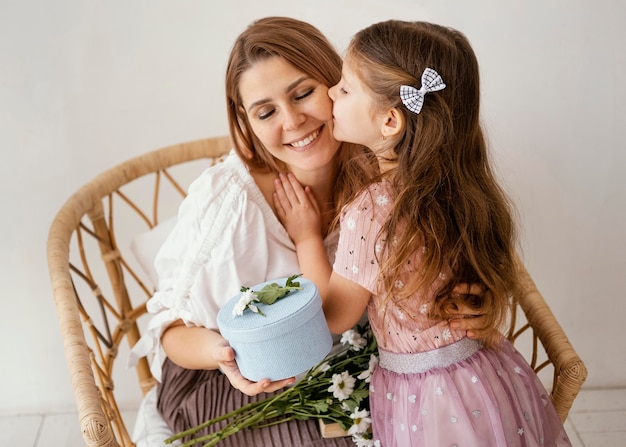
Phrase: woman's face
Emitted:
{"points": [[291, 113], [354, 113]]}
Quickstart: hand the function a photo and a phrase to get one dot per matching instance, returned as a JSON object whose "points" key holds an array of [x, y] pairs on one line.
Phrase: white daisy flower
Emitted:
{"points": [[323, 367], [343, 385], [361, 440], [367, 375], [253, 308], [354, 339], [355, 269], [361, 423], [244, 301]]}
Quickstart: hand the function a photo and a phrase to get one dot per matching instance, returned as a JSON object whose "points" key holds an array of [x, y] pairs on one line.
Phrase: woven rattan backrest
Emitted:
{"points": [[100, 295], [100, 292], [539, 336]]}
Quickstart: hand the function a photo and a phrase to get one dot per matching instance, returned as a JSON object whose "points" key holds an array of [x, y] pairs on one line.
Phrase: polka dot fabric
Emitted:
{"points": [[491, 398]]}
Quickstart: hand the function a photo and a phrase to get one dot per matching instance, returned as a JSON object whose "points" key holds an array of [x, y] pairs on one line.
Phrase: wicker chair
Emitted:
{"points": [[100, 289]]}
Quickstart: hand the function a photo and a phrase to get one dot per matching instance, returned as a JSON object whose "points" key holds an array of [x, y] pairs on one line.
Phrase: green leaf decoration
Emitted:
{"points": [[271, 293]]}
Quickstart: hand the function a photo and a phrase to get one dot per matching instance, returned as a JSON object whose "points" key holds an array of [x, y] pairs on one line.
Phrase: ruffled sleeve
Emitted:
{"points": [[221, 223]]}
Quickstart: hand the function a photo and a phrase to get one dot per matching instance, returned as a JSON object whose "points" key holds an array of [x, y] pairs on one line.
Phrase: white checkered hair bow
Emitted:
{"points": [[413, 98]]}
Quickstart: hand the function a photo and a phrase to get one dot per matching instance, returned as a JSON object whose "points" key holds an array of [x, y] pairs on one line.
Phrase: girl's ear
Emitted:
{"points": [[393, 123]]}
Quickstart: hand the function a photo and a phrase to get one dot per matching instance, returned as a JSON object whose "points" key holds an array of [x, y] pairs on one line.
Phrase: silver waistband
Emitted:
{"points": [[424, 361]]}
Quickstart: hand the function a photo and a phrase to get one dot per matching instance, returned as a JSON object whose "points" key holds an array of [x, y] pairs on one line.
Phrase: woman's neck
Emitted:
{"points": [[320, 182]]}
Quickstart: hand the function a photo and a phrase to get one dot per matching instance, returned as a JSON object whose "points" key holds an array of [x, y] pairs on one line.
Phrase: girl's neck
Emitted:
{"points": [[386, 165], [387, 159]]}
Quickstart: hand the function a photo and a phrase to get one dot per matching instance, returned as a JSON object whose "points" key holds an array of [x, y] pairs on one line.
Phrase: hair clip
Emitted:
{"points": [[413, 98]]}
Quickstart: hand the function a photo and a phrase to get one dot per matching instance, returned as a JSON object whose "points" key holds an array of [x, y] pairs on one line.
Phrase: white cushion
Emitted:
{"points": [[150, 429], [145, 246]]}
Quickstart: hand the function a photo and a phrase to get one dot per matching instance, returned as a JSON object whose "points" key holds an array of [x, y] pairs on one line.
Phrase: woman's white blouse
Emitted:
{"points": [[226, 236]]}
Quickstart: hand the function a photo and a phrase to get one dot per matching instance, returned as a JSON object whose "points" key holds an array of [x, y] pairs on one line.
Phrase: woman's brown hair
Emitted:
{"points": [[307, 49]]}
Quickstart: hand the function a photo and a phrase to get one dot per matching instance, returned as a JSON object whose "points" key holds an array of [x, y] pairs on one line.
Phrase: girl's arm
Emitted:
{"points": [[343, 301], [299, 213]]}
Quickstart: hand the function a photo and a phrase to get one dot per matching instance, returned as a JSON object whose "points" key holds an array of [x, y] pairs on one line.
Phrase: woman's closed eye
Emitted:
{"points": [[308, 92], [265, 114]]}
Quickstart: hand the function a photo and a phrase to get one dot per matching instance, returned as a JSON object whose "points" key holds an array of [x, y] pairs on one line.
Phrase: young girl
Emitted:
{"points": [[434, 218]]}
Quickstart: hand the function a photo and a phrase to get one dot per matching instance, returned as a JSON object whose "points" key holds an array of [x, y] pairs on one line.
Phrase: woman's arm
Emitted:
{"points": [[204, 260], [194, 347]]}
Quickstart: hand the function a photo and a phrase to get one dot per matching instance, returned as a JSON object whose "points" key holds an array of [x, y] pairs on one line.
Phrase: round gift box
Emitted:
{"points": [[291, 338]]}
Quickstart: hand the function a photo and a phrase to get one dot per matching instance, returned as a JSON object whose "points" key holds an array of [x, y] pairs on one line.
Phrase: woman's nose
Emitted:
{"points": [[293, 118]]}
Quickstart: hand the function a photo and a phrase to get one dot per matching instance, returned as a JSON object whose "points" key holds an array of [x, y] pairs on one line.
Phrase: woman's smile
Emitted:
{"points": [[301, 144]]}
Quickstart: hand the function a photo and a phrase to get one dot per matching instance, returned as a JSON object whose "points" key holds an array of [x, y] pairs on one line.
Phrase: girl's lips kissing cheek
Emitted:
{"points": [[306, 140]]}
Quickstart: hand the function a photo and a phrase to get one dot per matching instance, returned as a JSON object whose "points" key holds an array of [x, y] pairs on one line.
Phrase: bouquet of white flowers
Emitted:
{"points": [[334, 391]]}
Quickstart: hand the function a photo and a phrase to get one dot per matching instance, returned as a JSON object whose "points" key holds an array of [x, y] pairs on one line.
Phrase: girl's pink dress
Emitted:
{"points": [[433, 386]]}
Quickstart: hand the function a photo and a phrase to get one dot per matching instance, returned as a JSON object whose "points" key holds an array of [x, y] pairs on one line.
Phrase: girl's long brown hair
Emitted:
{"points": [[449, 204], [307, 49]]}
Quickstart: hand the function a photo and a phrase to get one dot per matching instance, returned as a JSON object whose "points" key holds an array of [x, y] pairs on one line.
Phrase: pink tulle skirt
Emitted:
{"points": [[491, 398]]}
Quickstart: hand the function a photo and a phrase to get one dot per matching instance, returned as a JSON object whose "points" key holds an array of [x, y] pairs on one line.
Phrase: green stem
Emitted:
{"points": [[254, 413]]}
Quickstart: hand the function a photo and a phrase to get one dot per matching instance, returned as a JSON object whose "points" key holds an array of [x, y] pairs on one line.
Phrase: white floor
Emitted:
{"points": [[597, 419]]}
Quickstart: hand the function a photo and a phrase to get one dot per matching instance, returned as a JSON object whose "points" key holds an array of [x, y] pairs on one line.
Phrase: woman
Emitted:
{"points": [[228, 236]]}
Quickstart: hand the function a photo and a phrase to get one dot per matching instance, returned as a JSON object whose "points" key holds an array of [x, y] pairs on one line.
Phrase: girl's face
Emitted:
{"points": [[291, 113], [354, 113]]}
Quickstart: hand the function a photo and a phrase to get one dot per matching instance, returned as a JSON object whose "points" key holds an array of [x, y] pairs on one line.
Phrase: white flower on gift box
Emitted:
{"points": [[361, 423], [354, 339], [367, 375], [269, 294], [244, 303], [343, 385]]}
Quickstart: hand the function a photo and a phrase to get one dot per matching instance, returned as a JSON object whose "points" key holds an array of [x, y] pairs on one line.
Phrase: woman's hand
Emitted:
{"points": [[195, 347], [225, 357], [297, 208]]}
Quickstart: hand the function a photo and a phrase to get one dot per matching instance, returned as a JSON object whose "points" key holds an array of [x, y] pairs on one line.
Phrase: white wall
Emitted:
{"points": [[87, 84]]}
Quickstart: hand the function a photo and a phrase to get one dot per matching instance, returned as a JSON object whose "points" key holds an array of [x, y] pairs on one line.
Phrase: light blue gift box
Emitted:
{"points": [[291, 338]]}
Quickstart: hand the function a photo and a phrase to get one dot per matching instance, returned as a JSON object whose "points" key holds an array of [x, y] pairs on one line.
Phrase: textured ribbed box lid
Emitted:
{"points": [[291, 338]]}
